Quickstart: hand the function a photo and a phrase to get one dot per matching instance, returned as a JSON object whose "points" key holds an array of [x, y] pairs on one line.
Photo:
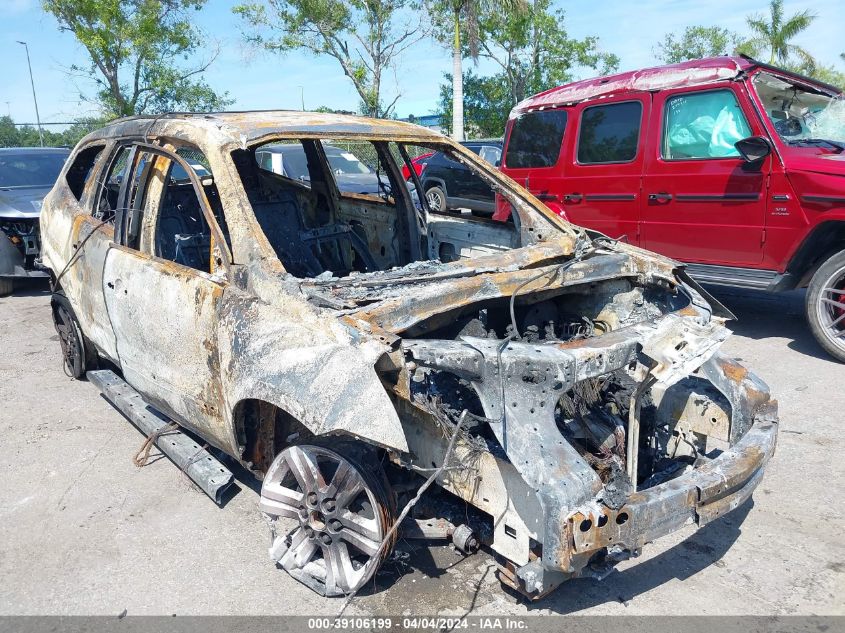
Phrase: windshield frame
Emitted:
{"points": [[805, 137], [533, 221]]}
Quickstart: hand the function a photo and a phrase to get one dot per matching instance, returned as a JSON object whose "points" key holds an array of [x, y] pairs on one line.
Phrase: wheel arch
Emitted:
{"points": [[427, 183], [264, 429], [824, 241]]}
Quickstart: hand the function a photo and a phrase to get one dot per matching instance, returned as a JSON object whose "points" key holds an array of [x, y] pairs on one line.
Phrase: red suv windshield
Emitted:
{"points": [[800, 115]]}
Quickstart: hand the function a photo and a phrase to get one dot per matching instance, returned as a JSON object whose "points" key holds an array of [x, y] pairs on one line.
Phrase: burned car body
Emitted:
{"points": [[345, 347], [26, 175]]}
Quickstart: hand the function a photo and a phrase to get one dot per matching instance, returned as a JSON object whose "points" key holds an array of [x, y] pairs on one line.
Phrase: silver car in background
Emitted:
{"points": [[26, 175]]}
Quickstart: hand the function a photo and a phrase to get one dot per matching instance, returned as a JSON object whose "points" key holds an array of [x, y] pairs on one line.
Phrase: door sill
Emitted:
{"points": [[754, 278]]}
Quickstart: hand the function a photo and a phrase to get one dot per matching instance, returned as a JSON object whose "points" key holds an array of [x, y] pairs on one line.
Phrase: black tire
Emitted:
{"points": [[78, 355], [436, 198], [7, 286], [825, 306]]}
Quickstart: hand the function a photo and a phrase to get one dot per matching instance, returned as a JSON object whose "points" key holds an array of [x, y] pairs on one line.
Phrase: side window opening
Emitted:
{"points": [[182, 233], [105, 206], [609, 133], [137, 197], [80, 171], [326, 206], [703, 125], [535, 139], [202, 168]]}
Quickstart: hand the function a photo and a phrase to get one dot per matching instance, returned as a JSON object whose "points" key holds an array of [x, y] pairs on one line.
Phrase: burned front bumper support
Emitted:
{"points": [[556, 500], [697, 497]]}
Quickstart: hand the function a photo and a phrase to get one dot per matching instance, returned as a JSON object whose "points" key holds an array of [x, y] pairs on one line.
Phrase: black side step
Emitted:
{"points": [[204, 469]]}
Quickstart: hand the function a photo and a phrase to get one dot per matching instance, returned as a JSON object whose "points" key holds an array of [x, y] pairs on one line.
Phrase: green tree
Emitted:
{"points": [[457, 26], [533, 52], [487, 103], [136, 49], [366, 37], [12, 135], [697, 42], [774, 33]]}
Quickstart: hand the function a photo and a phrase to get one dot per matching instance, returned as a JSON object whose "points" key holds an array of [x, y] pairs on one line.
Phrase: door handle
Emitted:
{"points": [[110, 285], [574, 198], [660, 197]]}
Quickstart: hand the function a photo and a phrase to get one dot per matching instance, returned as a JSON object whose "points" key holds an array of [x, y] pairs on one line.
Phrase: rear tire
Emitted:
{"points": [[6, 287], [78, 356], [825, 306], [436, 198]]}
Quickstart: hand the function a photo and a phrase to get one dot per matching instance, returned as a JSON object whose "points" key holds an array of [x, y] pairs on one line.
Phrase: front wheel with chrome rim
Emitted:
{"points": [[826, 306], [328, 515]]}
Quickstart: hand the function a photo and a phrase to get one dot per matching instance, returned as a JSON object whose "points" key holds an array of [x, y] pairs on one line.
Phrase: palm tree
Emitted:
{"points": [[775, 33], [464, 16]]}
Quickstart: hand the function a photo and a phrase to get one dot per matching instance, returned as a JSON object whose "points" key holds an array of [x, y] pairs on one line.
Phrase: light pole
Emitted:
{"points": [[302, 96], [32, 82]]}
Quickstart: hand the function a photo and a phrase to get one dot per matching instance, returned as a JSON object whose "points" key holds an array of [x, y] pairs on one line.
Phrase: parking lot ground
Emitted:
{"points": [[83, 531]]}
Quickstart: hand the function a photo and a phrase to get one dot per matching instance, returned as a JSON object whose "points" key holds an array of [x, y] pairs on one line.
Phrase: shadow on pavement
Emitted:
{"points": [[765, 315], [701, 550], [32, 287]]}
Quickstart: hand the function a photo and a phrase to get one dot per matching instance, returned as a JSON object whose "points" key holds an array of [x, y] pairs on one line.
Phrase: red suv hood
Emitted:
{"points": [[814, 160]]}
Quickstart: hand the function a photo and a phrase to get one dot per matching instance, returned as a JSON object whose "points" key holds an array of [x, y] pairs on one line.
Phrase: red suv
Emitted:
{"points": [[731, 165]]}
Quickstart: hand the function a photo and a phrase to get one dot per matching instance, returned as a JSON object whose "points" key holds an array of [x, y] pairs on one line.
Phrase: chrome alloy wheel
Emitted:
{"points": [[329, 517], [435, 200], [831, 308]]}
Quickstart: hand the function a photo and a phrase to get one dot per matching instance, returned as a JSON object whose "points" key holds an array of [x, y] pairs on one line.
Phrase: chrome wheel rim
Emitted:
{"points": [[328, 521], [830, 308], [435, 201]]}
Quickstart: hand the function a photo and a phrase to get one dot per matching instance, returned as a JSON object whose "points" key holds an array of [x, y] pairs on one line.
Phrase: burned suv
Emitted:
{"points": [[350, 349]]}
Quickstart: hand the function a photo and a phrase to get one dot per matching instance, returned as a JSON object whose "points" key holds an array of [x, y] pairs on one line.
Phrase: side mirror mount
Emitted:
{"points": [[754, 149]]}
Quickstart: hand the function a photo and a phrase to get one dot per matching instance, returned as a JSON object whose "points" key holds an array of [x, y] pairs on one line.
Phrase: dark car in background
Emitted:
{"points": [[26, 175], [449, 185]]}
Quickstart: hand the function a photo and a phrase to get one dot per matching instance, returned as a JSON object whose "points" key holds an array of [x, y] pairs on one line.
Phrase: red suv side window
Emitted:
{"points": [[535, 139]]}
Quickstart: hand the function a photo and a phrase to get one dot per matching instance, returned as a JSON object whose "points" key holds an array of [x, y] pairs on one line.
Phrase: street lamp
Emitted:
{"points": [[302, 96], [32, 82]]}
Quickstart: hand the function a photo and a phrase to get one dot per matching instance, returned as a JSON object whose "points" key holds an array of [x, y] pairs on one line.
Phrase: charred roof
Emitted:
{"points": [[249, 127]]}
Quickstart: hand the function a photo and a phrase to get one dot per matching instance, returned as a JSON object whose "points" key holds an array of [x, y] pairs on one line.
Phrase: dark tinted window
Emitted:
{"points": [[535, 139], [609, 133]]}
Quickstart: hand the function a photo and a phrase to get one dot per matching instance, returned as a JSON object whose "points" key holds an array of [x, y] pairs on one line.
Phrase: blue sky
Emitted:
{"points": [[258, 80]]}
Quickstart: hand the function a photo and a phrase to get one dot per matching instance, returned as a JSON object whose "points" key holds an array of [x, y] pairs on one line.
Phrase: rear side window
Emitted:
{"points": [[80, 171], [703, 125], [609, 133], [535, 139]]}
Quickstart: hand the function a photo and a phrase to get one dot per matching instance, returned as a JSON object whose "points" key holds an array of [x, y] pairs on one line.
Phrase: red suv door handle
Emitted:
{"points": [[660, 197], [573, 198]]}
